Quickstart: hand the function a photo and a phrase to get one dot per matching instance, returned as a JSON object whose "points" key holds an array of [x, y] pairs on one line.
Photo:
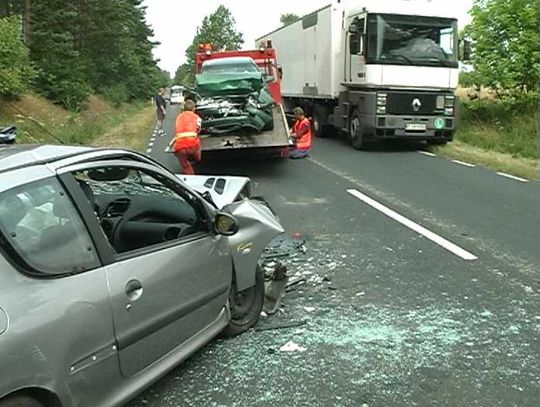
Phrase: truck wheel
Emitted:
{"points": [[320, 119], [245, 306], [356, 132]]}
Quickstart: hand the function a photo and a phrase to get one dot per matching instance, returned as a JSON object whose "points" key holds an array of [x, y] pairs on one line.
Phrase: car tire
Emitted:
{"points": [[245, 307], [356, 132], [20, 401]]}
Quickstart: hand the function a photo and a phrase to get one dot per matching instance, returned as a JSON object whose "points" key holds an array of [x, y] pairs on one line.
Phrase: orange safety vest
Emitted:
{"points": [[302, 128], [188, 125]]}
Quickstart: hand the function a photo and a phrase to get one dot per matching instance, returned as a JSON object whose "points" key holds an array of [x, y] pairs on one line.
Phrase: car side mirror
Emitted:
{"points": [[226, 224]]}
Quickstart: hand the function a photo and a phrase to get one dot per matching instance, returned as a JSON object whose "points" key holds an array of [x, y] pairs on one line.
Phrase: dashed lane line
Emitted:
{"points": [[441, 241], [427, 153], [503, 174], [465, 164]]}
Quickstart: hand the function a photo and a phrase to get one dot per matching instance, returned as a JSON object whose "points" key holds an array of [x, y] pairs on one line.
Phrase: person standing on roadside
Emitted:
{"points": [[301, 134], [161, 106], [187, 144]]}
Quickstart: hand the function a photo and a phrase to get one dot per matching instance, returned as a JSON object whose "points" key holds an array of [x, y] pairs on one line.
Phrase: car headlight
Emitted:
{"points": [[381, 109], [449, 111], [449, 101]]}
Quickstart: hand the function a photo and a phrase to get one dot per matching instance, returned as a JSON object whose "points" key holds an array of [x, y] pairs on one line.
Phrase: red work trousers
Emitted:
{"points": [[185, 155]]}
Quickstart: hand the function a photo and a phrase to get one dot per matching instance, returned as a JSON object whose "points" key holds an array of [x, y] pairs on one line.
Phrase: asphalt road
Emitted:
{"points": [[421, 287]]}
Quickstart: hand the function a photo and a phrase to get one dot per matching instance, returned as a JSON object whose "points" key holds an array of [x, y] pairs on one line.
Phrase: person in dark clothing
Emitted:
{"points": [[161, 106]]}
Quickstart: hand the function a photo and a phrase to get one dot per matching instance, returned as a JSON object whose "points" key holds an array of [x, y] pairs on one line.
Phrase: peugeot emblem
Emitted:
{"points": [[416, 104]]}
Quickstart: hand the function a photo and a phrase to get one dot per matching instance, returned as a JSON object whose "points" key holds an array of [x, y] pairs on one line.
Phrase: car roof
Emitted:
{"points": [[12, 157], [229, 60]]}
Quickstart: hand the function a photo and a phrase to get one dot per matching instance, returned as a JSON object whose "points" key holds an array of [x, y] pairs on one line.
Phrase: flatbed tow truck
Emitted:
{"points": [[274, 139]]}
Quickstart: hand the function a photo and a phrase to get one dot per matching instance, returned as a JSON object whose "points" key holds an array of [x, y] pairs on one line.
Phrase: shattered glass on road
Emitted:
{"points": [[339, 340]]}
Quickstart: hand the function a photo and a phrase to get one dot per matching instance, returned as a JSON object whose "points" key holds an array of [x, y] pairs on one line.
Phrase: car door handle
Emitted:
{"points": [[134, 290]]}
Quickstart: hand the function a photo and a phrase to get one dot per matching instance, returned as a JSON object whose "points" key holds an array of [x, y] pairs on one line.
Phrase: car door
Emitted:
{"points": [[169, 276]]}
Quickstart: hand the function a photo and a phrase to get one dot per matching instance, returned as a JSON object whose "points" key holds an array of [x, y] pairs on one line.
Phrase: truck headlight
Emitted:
{"points": [[381, 99], [381, 109], [449, 111], [440, 102], [449, 101]]}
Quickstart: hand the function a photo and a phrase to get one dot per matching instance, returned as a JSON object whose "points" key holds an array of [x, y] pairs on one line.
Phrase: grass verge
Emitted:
{"points": [[132, 134], [519, 166], [40, 121], [501, 135]]}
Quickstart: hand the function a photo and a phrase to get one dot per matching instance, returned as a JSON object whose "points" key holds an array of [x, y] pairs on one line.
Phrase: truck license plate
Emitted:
{"points": [[415, 126]]}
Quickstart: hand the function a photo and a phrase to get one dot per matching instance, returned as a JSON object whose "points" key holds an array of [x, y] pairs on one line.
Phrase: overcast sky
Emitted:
{"points": [[175, 21]]}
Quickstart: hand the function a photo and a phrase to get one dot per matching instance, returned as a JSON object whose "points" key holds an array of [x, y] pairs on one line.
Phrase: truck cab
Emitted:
{"points": [[373, 70], [400, 72]]}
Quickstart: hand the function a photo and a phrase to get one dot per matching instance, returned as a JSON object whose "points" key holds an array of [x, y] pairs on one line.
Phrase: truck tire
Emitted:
{"points": [[356, 131], [320, 120]]}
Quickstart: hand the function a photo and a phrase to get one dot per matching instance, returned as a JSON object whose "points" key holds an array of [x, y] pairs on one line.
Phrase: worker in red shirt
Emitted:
{"points": [[187, 145], [301, 134]]}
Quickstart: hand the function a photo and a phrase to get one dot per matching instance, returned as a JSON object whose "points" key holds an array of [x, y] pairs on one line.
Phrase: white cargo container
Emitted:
{"points": [[373, 69]]}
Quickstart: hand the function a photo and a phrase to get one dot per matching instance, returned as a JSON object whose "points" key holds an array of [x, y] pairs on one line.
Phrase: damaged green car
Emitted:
{"points": [[233, 98]]}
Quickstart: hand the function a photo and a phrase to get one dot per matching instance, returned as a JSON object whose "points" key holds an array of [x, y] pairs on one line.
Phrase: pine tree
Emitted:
{"points": [[60, 75]]}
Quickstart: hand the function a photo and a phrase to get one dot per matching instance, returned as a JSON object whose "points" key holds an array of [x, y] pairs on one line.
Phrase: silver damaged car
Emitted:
{"points": [[113, 270]]}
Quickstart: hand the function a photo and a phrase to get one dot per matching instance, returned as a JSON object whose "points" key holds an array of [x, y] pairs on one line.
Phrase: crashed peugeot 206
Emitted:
{"points": [[113, 270], [240, 105]]}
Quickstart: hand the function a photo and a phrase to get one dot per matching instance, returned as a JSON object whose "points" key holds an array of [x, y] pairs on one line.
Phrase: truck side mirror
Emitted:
{"points": [[466, 50]]}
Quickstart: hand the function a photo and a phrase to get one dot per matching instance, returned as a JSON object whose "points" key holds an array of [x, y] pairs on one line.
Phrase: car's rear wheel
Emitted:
{"points": [[20, 401], [245, 306]]}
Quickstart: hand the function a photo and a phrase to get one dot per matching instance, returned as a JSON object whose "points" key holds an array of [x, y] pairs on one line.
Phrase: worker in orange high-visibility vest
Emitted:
{"points": [[301, 134], [187, 145]]}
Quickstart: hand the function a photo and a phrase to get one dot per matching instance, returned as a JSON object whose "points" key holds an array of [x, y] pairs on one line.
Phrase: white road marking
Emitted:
{"points": [[148, 151], [503, 174], [427, 153], [150, 144], [464, 163], [451, 247]]}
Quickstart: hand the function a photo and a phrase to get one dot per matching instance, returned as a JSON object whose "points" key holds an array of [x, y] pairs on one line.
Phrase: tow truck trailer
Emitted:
{"points": [[274, 139]]}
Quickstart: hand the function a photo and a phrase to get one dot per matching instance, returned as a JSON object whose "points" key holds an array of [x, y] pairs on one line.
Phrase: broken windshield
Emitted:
{"points": [[412, 40]]}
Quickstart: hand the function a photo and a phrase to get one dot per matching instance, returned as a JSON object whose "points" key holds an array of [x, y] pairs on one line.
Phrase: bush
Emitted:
{"points": [[116, 94], [507, 126], [15, 68]]}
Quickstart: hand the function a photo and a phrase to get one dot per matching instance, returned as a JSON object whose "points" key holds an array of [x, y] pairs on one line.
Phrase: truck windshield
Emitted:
{"points": [[412, 40]]}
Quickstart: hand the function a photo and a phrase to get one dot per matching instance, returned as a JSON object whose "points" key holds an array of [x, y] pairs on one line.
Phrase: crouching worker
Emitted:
{"points": [[301, 134], [187, 145]]}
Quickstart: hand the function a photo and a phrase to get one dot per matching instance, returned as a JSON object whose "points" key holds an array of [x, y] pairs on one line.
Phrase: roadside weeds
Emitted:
{"points": [[131, 134], [518, 166]]}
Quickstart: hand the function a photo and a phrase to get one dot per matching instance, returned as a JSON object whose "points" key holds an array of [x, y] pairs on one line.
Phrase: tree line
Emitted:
{"points": [[67, 50]]}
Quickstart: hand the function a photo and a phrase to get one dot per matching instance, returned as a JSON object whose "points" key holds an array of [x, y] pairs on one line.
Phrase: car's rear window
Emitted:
{"points": [[44, 229]]}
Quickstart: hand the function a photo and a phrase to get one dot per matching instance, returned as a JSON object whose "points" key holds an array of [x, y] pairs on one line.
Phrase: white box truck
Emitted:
{"points": [[373, 69]]}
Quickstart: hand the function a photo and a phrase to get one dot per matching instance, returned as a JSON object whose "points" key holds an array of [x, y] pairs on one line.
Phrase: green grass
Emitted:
{"points": [[501, 135], [504, 127], [40, 121]]}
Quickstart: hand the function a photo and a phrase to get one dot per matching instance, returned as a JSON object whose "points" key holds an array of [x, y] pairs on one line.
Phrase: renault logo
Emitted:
{"points": [[416, 104]]}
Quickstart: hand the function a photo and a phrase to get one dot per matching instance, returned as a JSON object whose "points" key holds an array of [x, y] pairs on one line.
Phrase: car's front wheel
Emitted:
{"points": [[245, 306]]}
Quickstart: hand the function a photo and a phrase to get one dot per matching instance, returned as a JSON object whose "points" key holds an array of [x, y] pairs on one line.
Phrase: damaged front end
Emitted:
{"points": [[234, 103], [257, 223]]}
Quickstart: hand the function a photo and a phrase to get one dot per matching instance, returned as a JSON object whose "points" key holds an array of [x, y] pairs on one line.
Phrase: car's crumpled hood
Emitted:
{"points": [[224, 190]]}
